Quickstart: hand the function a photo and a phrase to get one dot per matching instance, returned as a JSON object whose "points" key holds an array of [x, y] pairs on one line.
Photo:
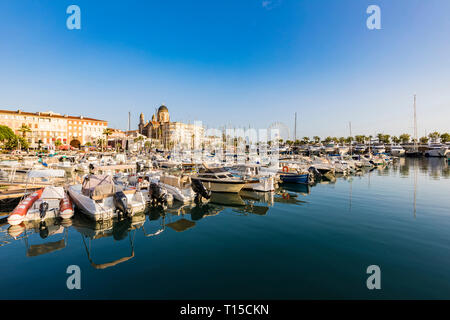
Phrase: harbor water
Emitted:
{"points": [[296, 243]]}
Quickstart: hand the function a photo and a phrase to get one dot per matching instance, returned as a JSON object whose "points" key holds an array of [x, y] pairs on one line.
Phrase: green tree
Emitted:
{"points": [[386, 138], [405, 137], [396, 140], [107, 132], [445, 137], [58, 143], [6, 134], [316, 139], [424, 140], [360, 138], [15, 142], [434, 136], [380, 137], [24, 129]]}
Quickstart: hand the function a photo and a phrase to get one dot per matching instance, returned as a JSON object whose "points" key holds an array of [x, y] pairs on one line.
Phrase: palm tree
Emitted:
{"points": [[424, 140], [107, 132], [405, 137], [445, 137], [139, 141], [396, 140], [434, 136], [100, 142], [380, 137], [24, 129], [316, 139]]}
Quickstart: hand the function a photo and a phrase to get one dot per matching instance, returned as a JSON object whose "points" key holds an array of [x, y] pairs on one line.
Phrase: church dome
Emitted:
{"points": [[163, 108], [163, 114]]}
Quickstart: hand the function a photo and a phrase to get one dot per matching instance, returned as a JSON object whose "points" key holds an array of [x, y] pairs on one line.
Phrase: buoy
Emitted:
{"points": [[285, 169]]}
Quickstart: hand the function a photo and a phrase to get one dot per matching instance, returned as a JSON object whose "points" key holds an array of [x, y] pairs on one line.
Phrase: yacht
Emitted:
{"points": [[329, 148], [379, 149], [343, 150], [437, 150], [315, 149], [220, 180], [397, 150]]}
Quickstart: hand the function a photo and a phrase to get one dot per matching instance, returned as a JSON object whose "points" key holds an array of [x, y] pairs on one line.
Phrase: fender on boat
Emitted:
{"points": [[66, 207], [16, 217]]}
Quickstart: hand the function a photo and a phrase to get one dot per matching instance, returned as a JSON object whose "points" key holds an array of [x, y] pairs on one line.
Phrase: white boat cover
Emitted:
{"points": [[9, 163], [97, 185], [46, 173], [53, 193]]}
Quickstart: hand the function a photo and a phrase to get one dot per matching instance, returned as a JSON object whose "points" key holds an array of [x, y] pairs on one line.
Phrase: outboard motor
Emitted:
{"points": [[121, 202], [314, 172], [157, 194], [139, 167], [43, 208], [200, 190]]}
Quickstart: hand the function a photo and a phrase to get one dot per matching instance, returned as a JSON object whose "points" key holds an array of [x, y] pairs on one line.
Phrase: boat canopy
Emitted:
{"points": [[97, 185], [52, 192], [46, 173]]}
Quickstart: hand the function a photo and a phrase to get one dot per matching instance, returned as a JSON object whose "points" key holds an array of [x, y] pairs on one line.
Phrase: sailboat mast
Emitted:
{"points": [[415, 124], [295, 128]]}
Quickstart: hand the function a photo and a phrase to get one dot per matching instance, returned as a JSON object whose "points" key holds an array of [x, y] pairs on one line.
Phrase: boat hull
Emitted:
{"points": [[105, 209], [223, 186], [295, 178]]}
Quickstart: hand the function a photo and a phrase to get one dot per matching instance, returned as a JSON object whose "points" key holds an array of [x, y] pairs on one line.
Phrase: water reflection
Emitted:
{"points": [[42, 238]]}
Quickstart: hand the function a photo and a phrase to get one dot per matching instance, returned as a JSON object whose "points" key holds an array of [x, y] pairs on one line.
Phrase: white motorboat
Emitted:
{"points": [[265, 181], [178, 186], [437, 150], [315, 149], [101, 199], [329, 148], [343, 150], [220, 180], [360, 148], [379, 149], [397, 150]]}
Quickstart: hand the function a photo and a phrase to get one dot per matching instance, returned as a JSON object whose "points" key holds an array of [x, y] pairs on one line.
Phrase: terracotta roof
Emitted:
{"points": [[50, 115]]}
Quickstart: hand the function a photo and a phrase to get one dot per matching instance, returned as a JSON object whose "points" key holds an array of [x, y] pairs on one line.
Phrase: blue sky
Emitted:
{"points": [[239, 62]]}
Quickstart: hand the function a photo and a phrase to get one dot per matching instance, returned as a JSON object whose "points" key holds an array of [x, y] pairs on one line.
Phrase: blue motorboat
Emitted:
{"points": [[295, 178]]}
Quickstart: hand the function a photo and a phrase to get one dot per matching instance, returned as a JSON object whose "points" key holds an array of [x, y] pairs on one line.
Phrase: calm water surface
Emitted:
{"points": [[297, 243]]}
